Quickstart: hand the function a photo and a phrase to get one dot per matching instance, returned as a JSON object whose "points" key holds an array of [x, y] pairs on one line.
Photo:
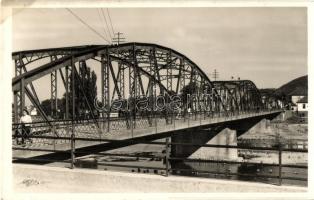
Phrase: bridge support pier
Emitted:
{"points": [[216, 136]]}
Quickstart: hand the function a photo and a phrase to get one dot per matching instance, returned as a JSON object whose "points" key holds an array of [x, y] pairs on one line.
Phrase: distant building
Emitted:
{"points": [[302, 105], [299, 101], [298, 94]]}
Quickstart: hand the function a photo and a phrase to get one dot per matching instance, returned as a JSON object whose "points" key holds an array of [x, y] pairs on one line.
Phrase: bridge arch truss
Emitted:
{"points": [[128, 71]]}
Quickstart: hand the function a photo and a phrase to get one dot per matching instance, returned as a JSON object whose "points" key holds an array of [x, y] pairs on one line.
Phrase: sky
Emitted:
{"points": [[265, 45]]}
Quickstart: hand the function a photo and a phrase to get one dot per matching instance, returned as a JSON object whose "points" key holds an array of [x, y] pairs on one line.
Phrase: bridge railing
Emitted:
{"points": [[74, 157], [119, 127], [65, 136], [276, 165]]}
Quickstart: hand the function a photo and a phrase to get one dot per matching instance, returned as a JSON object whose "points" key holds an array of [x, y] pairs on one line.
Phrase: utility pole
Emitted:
{"points": [[118, 39], [215, 74]]}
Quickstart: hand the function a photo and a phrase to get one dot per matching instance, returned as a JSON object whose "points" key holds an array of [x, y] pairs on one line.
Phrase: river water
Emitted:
{"points": [[218, 170]]}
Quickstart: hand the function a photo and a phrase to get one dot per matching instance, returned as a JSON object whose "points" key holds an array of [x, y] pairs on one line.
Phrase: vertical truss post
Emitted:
{"points": [[225, 95], [53, 99], [201, 97], [182, 84], [235, 101], [54, 91], [73, 113], [206, 100], [131, 93], [192, 82], [22, 97], [179, 76], [68, 70], [220, 102], [169, 86], [151, 85], [183, 76], [102, 85], [216, 105], [139, 84], [134, 84], [196, 101], [239, 89], [140, 87], [17, 95], [121, 79], [151, 100], [73, 89], [212, 100], [16, 107], [231, 103], [244, 97], [81, 74], [169, 72], [247, 103], [105, 59], [238, 98], [153, 88]]}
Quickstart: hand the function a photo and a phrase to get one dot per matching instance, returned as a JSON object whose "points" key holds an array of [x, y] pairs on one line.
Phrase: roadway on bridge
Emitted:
{"points": [[119, 131]]}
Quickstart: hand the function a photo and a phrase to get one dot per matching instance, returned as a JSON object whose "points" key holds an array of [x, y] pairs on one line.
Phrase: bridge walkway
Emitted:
{"points": [[118, 131]]}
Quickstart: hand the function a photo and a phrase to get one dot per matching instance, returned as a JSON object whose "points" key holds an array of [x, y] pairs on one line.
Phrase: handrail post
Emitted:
{"points": [[167, 156], [155, 115], [131, 120], [174, 120], [280, 164], [72, 148], [188, 119], [200, 116], [54, 140]]}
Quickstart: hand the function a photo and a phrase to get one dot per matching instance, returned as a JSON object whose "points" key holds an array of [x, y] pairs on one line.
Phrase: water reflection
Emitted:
{"points": [[251, 172]]}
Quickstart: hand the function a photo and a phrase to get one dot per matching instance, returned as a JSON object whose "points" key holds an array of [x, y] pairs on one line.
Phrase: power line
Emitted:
{"points": [[103, 14], [110, 21], [105, 30], [91, 28]]}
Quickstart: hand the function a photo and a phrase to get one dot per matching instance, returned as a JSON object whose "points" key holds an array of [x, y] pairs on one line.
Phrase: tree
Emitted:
{"points": [[189, 89], [85, 91], [46, 106], [85, 83]]}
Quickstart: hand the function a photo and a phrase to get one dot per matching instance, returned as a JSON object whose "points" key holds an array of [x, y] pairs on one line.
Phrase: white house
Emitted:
{"points": [[297, 95], [302, 105]]}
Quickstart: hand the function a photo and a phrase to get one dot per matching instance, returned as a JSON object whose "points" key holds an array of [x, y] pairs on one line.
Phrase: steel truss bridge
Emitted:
{"points": [[130, 72]]}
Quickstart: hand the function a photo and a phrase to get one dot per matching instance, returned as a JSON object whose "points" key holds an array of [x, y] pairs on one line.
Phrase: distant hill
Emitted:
{"points": [[297, 86], [267, 91]]}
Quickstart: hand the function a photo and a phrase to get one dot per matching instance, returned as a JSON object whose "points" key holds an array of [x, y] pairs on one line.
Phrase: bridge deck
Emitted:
{"points": [[120, 131]]}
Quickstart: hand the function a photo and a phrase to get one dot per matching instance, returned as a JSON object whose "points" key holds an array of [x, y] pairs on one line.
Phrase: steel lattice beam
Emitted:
{"points": [[162, 67]]}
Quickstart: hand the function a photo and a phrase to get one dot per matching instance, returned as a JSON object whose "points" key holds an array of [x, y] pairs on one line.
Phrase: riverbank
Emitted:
{"points": [[283, 132]]}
